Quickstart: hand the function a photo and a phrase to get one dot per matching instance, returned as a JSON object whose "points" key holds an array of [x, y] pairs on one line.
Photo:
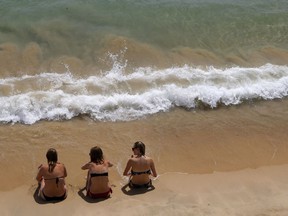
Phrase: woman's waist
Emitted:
{"points": [[140, 179], [99, 188]]}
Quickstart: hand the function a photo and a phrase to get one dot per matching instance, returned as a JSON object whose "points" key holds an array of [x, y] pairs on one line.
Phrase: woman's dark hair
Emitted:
{"points": [[52, 158], [96, 155], [141, 146]]}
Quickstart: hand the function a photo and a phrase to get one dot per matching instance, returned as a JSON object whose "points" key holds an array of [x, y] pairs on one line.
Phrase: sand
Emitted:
{"points": [[228, 161], [261, 191]]}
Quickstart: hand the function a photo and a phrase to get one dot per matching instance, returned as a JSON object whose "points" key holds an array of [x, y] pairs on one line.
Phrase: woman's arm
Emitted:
{"points": [[40, 173], [65, 171], [86, 166], [109, 164], [128, 167], [152, 166]]}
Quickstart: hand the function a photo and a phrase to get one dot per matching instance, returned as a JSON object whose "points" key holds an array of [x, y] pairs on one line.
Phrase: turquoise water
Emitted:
{"points": [[123, 60], [80, 28]]}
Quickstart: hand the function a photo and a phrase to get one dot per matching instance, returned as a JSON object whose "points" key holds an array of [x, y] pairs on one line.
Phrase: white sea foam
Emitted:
{"points": [[119, 96]]}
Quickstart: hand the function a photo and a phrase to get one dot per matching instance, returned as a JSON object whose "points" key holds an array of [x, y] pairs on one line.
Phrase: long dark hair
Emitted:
{"points": [[52, 159], [96, 155], [141, 146]]}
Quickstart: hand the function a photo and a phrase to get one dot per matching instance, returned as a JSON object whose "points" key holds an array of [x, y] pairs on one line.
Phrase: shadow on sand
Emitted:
{"points": [[39, 200], [126, 189]]}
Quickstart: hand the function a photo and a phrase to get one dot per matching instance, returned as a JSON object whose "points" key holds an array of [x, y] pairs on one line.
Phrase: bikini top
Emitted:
{"points": [[140, 173], [56, 178], [98, 174]]}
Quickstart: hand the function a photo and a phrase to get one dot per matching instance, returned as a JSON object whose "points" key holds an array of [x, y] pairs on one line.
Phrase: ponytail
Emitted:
{"points": [[51, 166], [52, 158]]}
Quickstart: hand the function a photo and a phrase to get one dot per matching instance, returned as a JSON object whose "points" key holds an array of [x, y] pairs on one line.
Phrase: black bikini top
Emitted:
{"points": [[98, 174], [56, 178], [140, 173]]}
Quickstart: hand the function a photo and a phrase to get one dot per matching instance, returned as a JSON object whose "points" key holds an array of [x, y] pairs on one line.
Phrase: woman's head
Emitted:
{"points": [[52, 158], [96, 155], [140, 146], [51, 155]]}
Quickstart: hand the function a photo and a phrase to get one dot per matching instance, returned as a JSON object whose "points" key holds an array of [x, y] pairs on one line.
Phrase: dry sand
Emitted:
{"points": [[261, 191]]}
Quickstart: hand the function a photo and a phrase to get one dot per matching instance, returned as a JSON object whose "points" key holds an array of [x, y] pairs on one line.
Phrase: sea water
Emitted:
{"points": [[124, 60]]}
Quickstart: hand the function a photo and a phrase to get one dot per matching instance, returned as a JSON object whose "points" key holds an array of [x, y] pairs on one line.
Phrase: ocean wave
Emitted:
{"points": [[116, 95]]}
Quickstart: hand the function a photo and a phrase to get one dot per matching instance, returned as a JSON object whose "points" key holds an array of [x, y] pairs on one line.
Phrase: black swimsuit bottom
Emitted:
{"points": [[98, 174], [147, 185], [63, 197], [140, 173]]}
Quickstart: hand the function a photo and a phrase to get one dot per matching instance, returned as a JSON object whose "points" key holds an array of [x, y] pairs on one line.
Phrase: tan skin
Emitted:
{"points": [[48, 181], [139, 163], [99, 184]]}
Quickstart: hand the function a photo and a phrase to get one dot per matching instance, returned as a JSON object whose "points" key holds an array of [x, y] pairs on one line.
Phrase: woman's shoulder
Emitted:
{"points": [[107, 163], [43, 167], [138, 159], [60, 167], [145, 157], [148, 159], [60, 164]]}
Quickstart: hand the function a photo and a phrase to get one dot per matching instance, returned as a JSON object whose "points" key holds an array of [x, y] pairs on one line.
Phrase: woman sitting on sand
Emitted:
{"points": [[140, 167], [97, 185], [51, 178]]}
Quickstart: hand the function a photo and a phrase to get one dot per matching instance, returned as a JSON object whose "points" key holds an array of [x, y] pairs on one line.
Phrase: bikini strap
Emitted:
{"points": [[139, 173]]}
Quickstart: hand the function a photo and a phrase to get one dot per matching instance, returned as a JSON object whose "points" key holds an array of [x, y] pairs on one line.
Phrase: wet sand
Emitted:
{"points": [[227, 161]]}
